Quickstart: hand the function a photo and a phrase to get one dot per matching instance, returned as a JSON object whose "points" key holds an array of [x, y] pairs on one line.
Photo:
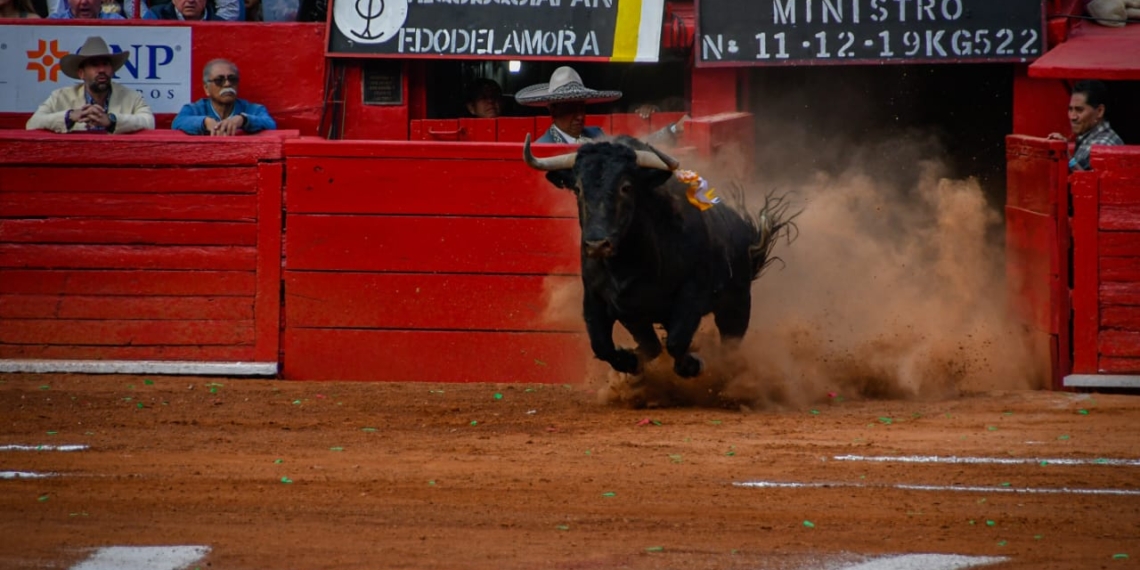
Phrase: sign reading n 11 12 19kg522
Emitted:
{"points": [[781, 32]]}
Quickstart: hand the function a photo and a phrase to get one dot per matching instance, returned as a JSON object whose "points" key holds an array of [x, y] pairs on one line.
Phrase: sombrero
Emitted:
{"points": [[93, 47], [565, 86]]}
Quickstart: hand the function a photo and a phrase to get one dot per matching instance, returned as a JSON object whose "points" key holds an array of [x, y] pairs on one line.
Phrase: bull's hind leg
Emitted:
{"points": [[732, 318], [648, 345]]}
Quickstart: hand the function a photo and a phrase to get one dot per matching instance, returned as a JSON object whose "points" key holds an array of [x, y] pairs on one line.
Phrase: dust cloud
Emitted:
{"points": [[893, 287]]}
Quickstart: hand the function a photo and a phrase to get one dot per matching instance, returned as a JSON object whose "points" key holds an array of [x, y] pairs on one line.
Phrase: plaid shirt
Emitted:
{"points": [[1101, 134]]}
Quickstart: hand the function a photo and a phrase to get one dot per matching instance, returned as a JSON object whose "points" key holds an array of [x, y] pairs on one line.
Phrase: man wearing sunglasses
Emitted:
{"points": [[221, 113]]}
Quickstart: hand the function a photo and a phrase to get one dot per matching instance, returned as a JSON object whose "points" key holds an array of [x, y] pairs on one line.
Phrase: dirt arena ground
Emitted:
{"points": [[273, 474]]}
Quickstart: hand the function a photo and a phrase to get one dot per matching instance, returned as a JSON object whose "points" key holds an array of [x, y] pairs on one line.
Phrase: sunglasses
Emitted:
{"points": [[222, 79]]}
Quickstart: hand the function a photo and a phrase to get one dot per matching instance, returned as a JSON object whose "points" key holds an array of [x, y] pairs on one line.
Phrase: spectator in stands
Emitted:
{"points": [[567, 97], [221, 113], [96, 104], [485, 99], [253, 11], [17, 9], [1086, 115], [83, 10], [183, 10]]}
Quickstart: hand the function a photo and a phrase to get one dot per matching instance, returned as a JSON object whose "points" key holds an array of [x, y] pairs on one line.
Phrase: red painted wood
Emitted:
{"points": [[601, 121], [439, 130], [1035, 102], [73, 231], [1119, 269], [425, 301], [269, 300], [224, 207], [411, 149], [173, 149], [423, 186], [125, 333], [658, 121], [1120, 244], [129, 282], [515, 129], [1029, 272], [1119, 344], [713, 91], [1125, 217], [126, 307], [479, 130], [1092, 51], [422, 356], [1030, 179], [378, 122], [98, 180], [126, 257], [431, 244], [1123, 160], [630, 124], [1120, 365], [1119, 293], [232, 353], [1086, 288], [1124, 318], [1120, 187]]}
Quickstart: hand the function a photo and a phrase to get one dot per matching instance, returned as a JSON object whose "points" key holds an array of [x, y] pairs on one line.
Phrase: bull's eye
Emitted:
{"points": [[625, 188]]}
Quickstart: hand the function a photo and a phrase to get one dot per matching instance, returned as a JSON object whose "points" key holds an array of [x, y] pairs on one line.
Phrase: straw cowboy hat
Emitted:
{"points": [[565, 86], [93, 47]]}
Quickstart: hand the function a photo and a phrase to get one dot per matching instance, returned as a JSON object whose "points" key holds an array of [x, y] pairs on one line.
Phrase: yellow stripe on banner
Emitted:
{"points": [[626, 30]]}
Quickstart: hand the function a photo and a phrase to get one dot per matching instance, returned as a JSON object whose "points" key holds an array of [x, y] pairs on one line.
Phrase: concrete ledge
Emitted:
{"points": [[1102, 381], [179, 367]]}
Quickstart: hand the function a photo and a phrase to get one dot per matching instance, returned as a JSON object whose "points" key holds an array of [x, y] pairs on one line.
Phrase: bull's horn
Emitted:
{"points": [[560, 162], [669, 161], [646, 159]]}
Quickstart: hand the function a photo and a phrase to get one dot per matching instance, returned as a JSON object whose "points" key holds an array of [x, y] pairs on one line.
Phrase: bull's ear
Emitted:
{"points": [[652, 177], [563, 179]]}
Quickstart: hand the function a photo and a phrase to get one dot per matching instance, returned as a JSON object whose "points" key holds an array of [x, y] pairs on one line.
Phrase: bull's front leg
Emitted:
{"points": [[600, 328], [680, 330]]}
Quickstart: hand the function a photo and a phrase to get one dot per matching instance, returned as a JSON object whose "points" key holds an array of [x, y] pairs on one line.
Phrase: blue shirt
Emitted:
{"points": [[64, 13], [192, 118]]}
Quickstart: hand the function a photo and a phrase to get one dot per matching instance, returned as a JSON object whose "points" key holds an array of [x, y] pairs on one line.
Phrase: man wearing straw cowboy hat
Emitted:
{"points": [[567, 98], [97, 104]]}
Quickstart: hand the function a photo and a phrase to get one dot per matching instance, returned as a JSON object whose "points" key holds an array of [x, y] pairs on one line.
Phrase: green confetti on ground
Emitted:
{"points": [[655, 549], [886, 421], [336, 449], [529, 390], [609, 494], [809, 524], [1083, 412], [1062, 437], [730, 453], [715, 422], [814, 412], [991, 428], [296, 402], [52, 432], [498, 396], [1005, 484], [656, 422], [1120, 556], [435, 391], [431, 483], [1037, 537], [42, 498], [1002, 543], [1007, 413], [474, 422], [562, 527], [130, 386], [676, 458], [286, 480], [588, 452], [981, 501], [1100, 460], [368, 429], [971, 521], [45, 387], [1044, 463], [991, 523], [148, 382], [140, 405], [279, 461], [213, 390]]}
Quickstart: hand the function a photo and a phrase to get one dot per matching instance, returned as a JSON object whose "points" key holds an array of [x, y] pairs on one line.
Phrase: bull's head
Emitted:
{"points": [[606, 177]]}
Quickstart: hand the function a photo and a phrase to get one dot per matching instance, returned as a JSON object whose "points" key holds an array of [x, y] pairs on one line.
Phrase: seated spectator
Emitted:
{"points": [[485, 99], [17, 9], [96, 104], [182, 10], [83, 10], [221, 113], [253, 11]]}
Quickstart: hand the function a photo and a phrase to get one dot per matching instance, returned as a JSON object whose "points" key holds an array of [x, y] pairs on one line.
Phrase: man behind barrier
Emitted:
{"points": [[220, 112], [1086, 116], [97, 104]]}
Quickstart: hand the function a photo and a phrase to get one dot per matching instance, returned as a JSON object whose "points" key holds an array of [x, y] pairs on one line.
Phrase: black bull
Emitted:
{"points": [[650, 257]]}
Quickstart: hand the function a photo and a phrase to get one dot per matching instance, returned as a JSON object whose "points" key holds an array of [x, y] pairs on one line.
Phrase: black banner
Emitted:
{"points": [[815, 32], [479, 29]]}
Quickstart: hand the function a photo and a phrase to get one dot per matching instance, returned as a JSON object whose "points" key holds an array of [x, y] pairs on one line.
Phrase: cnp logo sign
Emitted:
{"points": [[159, 66]]}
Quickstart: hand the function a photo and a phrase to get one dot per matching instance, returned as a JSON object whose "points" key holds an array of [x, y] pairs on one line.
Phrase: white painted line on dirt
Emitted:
{"points": [[987, 460], [43, 447], [906, 487], [143, 558], [141, 367], [926, 562], [24, 475]]}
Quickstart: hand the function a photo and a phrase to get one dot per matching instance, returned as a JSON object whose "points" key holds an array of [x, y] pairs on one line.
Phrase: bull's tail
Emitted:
{"points": [[771, 224]]}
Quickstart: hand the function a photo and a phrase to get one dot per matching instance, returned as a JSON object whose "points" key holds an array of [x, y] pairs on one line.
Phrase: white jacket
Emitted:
{"points": [[130, 110]]}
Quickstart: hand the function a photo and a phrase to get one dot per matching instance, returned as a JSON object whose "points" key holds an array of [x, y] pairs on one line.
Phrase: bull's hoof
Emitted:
{"points": [[625, 361], [689, 366]]}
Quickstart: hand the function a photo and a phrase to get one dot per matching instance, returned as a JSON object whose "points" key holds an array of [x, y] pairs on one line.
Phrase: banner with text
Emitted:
{"points": [[158, 67], [820, 32], [614, 30]]}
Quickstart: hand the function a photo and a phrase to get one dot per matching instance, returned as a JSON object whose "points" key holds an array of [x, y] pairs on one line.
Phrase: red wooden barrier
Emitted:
{"points": [[1106, 295], [149, 247], [425, 262]]}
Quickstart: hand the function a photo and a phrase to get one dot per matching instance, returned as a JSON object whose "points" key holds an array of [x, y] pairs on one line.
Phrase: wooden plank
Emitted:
{"points": [[630, 124], [1086, 285], [221, 207], [269, 299], [48, 149], [1033, 169], [411, 244], [1120, 188], [422, 356], [515, 129], [232, 353], [64, 282], [425, 301], [125, 333], [1122, 318], [78, 180], [315, 147], [27, 256], [478, 130], [423, 186], [1120, 344], [1029, 268], [1116, 158], [125, 307], [1120, 244], [1117, 293], [1120, 217], [1120, 269], [97, 231], [1114, 365]]}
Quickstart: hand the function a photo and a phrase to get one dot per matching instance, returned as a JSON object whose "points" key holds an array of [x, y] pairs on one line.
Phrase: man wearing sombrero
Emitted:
{"points": [[567, 98], [97, 104]]}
